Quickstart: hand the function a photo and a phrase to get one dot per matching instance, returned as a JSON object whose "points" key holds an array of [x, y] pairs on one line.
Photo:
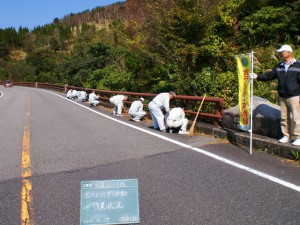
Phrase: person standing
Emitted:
{"points": [[136, 110], [176, 119], [93, 99], [161, 100], [117, 102], [287, 73]]}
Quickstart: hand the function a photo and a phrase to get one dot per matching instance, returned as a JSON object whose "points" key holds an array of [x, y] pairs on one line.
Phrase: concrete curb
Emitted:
{"points": [[261, 143]]}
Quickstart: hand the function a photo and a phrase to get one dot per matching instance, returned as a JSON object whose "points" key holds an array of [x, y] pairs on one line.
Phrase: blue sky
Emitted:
{"points": [[33, 13]]}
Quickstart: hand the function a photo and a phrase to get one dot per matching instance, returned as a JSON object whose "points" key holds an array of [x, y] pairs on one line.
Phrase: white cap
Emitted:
{"points": [[285, 48], [142, 99], [172, 93]]}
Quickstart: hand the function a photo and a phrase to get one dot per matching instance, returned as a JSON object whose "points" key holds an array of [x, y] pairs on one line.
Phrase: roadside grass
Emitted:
{"points": [[296, 155]]}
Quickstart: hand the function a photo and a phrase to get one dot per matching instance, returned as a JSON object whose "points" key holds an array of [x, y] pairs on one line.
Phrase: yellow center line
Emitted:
{"points": [[26, 195]]}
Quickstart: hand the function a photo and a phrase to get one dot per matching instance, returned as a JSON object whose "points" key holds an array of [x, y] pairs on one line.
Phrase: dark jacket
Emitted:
{"points": [[288, 82]]}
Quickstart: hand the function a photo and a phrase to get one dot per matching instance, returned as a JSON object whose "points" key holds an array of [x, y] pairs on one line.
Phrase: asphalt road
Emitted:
{"points": [[49, 144]]}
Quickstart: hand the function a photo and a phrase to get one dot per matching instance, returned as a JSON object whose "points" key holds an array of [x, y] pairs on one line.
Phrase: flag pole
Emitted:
{"points": [[251, 105]]}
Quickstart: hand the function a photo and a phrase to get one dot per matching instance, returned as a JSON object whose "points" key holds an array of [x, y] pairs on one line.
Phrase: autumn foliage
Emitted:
{"points": [[155, 45]]}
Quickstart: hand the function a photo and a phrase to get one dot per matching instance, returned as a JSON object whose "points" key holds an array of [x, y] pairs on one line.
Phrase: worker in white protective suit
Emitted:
{"points": [[82, 96], [74, 94], [117, 102], [162, 100], [69, 93], [136, 110], [93, 99], [176, 119]]}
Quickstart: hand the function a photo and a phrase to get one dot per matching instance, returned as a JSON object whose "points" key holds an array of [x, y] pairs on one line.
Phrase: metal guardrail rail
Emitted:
{"points": [[212, 108]]}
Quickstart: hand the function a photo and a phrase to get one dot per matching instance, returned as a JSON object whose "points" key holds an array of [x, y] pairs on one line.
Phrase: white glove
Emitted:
{"points": [[253, 75]]}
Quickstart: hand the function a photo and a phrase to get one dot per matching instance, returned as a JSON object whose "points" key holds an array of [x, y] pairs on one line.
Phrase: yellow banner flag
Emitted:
{"points": [[244, 66]]}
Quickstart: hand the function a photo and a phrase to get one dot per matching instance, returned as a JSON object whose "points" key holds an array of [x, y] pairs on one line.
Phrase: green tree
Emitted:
{"points": [[4, 51], [20, 71], [112, 78], [22, 33], [2, 74], [266, 26], [295, 23]]}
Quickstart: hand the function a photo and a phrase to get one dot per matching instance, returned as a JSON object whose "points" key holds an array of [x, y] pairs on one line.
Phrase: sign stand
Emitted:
{"points": [[245, 67], [251, 106]]}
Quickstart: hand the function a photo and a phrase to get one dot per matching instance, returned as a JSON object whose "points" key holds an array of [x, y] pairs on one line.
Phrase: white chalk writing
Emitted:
{"points": [[116, 184], [107, 206], [129, 219], [106, 194], [97, 220]]}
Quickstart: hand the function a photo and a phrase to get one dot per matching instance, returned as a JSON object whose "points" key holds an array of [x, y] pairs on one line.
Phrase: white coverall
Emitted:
{"points": [[69, 93], [177, 119], [93, 99], [136, 110], [161, 100], [82, 96], [117, 101], [74, 94]]}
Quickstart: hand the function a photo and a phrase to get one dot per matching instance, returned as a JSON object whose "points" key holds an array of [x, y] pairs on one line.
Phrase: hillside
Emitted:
{"points": [[154, 46], [98, 15]]}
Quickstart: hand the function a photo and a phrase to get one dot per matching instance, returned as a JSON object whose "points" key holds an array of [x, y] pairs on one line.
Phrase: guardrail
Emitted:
{"points": [[212, 108]]}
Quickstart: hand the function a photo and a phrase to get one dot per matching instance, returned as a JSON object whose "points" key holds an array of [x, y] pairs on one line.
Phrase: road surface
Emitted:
{"points": [[49, 144]]}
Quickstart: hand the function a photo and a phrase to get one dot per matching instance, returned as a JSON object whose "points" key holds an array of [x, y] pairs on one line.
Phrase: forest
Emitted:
{"points": [[188, 46]]}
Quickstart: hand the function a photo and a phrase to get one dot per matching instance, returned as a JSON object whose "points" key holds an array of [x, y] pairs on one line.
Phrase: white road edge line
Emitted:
{"points": [[227, 161], [1, 94]]}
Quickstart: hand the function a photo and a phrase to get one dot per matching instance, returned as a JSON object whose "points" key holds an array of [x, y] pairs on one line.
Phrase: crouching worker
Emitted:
{"points": [[93, 99], [117, 102], [176, 120], [69, 94], [74, 94], [82, 96], [136, 110]]}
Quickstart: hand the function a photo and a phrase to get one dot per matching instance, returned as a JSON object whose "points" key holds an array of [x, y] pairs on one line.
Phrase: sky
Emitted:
{"points": [[33, 13]]}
